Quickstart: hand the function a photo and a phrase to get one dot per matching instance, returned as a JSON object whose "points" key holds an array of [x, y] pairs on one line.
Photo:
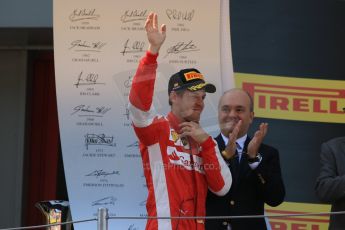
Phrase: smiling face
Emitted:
{"points": [[233, 106], [188, 105]]}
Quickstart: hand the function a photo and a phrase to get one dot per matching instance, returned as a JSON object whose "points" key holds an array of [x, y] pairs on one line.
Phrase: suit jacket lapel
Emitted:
{"points": [[220, 142]]}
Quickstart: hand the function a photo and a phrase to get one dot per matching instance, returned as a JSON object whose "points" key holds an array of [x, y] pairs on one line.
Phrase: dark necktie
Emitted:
{"points": [[239, 152]]}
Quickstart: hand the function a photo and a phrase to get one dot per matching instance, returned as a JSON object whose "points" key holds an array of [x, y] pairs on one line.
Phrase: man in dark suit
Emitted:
{"points": [[330, 185], [254, 166]]}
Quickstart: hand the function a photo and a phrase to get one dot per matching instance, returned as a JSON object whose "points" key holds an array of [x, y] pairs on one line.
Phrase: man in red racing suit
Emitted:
{"points": [[181, 161]]}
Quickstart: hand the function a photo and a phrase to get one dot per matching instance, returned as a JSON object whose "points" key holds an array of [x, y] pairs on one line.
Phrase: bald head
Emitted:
{"points": [[241, 92]]}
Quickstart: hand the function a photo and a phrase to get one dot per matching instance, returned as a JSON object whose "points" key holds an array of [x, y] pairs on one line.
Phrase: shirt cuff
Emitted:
{"points": [[254, 165]]}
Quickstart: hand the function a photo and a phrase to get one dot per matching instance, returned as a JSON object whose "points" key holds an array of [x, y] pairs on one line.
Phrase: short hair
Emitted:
{"points": [[179, 93]]}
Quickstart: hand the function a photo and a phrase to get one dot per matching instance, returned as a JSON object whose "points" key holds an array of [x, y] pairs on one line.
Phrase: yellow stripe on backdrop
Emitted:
{"points": [[298, 222]]}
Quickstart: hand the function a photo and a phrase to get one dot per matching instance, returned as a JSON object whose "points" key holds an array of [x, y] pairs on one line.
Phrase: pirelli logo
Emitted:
{"points": [[296, 98], [294, 216], [193, 75]]}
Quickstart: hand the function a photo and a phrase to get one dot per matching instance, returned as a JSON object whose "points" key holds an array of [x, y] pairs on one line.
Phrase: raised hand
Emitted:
{"points": [[193, 130], [230, 148], [254, 144], [155, 36]]}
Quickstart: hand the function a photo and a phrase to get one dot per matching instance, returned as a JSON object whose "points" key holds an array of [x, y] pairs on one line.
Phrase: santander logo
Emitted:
{"points": [[185, 160], [173, 156]]}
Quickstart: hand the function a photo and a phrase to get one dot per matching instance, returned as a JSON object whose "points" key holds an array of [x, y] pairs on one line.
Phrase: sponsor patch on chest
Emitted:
{"points": [[185, 160]]}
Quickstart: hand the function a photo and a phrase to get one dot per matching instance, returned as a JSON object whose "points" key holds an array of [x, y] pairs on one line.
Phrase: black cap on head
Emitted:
{"points": [[190, 79]]}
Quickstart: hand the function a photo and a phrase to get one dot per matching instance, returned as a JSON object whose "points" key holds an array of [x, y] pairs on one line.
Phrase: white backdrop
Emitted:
{"points": [[97, 46]]}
